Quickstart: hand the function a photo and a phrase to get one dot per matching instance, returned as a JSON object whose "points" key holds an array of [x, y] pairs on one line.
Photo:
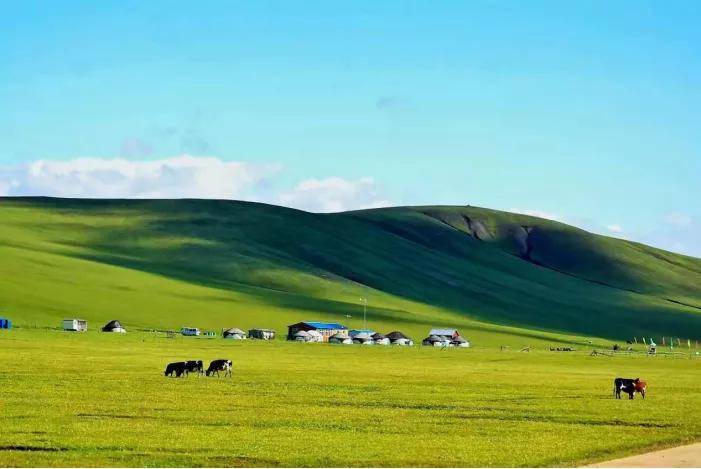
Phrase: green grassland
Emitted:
{"points": [[98, 399], [502, 279]]}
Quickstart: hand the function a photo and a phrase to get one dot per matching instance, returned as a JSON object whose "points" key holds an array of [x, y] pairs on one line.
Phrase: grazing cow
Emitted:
{"points": [[194, 366], [220, 365], [179, 368], [629, 386], [641, 387]]}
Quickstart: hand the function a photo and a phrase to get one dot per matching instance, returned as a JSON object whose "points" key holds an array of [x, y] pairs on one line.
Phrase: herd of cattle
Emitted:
{"points": [[181, 369], [629, 386]]}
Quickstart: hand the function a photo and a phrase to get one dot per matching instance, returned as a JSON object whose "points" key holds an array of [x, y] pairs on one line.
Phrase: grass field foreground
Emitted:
{"points": [[95, 399]]}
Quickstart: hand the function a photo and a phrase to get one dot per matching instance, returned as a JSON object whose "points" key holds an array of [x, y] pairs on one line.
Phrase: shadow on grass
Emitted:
{"points": [[261, 250]]}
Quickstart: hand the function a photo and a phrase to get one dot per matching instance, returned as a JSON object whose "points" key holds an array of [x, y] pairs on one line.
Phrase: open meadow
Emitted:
{"points": [[95, 399]]}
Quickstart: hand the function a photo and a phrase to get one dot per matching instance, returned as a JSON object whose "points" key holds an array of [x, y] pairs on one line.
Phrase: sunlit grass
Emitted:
{"points": [[99, 399]]}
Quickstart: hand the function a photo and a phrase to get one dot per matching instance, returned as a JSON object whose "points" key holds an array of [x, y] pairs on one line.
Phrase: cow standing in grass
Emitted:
{"points": [[220, 365], [194, 366], [629, 386], [177, 368], [640, 387]]}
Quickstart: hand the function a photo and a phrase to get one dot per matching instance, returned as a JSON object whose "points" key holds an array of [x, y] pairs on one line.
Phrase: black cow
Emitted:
{"points": [[179, 368], [626, 385], [216, 366], [194, 366]]}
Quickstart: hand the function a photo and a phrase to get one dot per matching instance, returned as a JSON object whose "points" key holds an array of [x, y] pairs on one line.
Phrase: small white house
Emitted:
{"points": [[191, 331], [262, 334], [75, 325], [445, 333]]}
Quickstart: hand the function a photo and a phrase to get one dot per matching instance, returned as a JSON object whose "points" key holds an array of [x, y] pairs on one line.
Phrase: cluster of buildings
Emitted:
{"points": [[81, 325], [335, 333], [233, 333], [307, 331], [445, 338]]}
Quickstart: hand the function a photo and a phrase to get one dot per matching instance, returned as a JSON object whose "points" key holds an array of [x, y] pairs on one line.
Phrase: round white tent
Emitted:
{"points": [[315, 336], [380, 339], [340, 338], [234, 333], [301, 336], [363, 338]]}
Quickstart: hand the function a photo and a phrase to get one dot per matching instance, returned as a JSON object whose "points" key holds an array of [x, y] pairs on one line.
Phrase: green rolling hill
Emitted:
{"points": [[213, 264]]}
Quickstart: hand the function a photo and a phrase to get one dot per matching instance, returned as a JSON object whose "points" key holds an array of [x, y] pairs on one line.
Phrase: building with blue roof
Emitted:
{"points": [[326, 329]]}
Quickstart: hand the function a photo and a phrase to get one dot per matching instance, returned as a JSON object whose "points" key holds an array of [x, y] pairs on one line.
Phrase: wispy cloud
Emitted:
{"points": [[334, 194], [392, 103], [537, 213], [614, 228]]}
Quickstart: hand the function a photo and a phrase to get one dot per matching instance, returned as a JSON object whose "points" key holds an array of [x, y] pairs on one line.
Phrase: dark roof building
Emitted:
{"points": [[263, 334], [326, 329], [113, 326], [396, 335]]}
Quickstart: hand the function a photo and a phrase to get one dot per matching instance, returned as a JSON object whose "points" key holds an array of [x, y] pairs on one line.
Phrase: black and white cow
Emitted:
{"points": [[194, 366], [626, 385], [220, 365], [179, 368]]}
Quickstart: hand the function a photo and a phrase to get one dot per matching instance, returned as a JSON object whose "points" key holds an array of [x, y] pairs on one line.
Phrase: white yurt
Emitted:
{"points": [[234, 333], [397, 338], [301, 336], [380, 339], [435, 341], [340, 338], [363, 338], [315, 336]]}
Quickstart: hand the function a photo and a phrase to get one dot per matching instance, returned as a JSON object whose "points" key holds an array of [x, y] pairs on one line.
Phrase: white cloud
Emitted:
{"points": [[537, 213], [614, 228], [334, 194], [177, 177], [184, 176]]}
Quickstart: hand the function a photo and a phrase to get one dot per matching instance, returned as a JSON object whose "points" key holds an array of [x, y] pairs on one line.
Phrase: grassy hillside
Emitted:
{"points": [[220, 263]]}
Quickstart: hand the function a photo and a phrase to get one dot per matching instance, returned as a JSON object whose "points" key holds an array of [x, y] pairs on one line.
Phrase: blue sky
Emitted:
{"points": [[588, 112]]}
